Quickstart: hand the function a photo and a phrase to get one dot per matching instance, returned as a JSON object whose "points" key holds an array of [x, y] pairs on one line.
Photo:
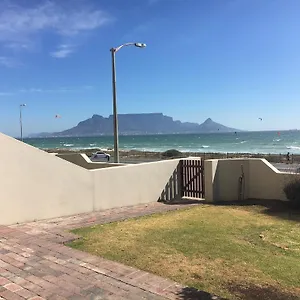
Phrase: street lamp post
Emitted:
{"points": [[21, 123], [114, 81]]}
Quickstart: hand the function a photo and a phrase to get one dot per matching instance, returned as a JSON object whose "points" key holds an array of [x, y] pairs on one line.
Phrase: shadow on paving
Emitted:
{"points": [[276, 208], [189, 293]]}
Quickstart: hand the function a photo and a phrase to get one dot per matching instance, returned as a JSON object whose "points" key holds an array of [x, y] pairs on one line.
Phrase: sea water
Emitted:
{"points": [[239, 142]]}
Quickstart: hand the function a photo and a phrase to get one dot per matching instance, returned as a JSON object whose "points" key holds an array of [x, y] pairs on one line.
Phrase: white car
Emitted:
{"points": [[100, 156]]}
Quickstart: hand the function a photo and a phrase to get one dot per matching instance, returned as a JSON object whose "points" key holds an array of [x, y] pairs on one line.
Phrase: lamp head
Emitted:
{"points": [[140, 45]]}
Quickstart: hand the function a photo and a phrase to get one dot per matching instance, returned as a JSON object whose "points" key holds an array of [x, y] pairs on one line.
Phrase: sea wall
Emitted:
{"points": [[261, 180]]}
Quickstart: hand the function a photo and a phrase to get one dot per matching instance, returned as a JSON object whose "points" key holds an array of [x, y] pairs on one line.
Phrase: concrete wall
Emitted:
{"points": [[131, 185], [83, 161], [36, 185], [266, 181], [224, 184], [261, 180]]}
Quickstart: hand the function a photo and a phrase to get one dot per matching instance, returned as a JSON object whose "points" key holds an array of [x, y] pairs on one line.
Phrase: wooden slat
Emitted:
{"points": [[198, 186], [189, 177], [195, 181], [184, 179], [192, 179], [199, 179]]}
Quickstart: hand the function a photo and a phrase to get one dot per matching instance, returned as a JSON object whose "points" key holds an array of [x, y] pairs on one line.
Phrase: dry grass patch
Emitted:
{"points": [[226, 250]]}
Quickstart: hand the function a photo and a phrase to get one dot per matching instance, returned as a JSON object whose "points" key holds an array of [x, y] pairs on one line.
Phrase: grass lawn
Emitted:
{"points": [[238, 252]]}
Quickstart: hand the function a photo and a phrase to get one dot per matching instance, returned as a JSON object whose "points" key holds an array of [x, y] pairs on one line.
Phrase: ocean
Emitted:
{"points": [[240, 142]]}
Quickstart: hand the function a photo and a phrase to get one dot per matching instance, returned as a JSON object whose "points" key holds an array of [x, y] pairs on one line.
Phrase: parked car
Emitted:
{"points": [[100, 156]]}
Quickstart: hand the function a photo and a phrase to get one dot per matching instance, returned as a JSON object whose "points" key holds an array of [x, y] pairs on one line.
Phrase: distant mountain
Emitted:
{"points": [[210, 126], [134, 124]]}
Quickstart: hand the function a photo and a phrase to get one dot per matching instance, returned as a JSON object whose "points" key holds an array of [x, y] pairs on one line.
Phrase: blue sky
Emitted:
{"points": [[231, 60]]}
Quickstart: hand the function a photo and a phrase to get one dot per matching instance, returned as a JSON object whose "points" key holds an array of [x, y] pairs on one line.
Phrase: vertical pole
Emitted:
{"points": [[21, 125], [115, 113]]}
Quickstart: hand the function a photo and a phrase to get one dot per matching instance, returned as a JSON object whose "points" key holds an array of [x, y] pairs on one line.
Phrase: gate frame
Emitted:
{"points": [[192, 178]]}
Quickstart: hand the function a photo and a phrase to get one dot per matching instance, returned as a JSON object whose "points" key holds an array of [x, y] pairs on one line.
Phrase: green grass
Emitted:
{"points": [[235, 252]]}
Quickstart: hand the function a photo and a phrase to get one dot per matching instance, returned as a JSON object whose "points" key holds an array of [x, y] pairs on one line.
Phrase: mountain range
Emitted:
{"points": [[135, 124]]}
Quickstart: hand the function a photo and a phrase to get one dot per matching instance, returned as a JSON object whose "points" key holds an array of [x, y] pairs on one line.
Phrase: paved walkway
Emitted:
{"points": [[35, 264]]}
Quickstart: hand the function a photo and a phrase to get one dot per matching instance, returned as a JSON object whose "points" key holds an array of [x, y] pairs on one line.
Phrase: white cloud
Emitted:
{"points": [[32, 90], [87, 87], [8, 62], [64, 89], [3, 94], [63, 51], [21, 25], [56, 90], [17, 47]]}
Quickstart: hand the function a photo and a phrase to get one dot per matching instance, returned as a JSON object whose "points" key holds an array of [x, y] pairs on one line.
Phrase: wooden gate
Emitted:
{"points": [[192, 178]]}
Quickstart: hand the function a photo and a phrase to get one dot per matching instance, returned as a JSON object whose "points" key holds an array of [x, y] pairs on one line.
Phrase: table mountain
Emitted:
{"points": [[133, 124]]}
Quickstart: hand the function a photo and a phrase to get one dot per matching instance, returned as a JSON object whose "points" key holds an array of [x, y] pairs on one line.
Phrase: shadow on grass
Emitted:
{"points": [[189, 293], [183, 201], [276, 208], [245, 292], [255, 292]]}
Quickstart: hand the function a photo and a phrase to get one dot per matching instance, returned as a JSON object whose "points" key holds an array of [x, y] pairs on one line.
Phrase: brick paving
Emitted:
{"points": [[35, 264]]}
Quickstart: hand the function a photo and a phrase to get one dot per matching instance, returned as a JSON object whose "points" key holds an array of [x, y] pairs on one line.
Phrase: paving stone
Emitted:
{"points": [[35, 265], [13, 287], [3, 281], [25, 293], [8, 295]]}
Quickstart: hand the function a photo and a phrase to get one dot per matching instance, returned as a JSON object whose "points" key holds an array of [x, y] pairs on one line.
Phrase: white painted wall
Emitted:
{"points": [[262, 180], [36, 185], [131, 185], [266, 181]]}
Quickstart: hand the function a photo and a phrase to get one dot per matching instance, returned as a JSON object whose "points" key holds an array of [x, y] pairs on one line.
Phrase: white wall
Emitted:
{"points": [[222, 178], [266, 181], [262, 180], [36, 185], [131, 185]]}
